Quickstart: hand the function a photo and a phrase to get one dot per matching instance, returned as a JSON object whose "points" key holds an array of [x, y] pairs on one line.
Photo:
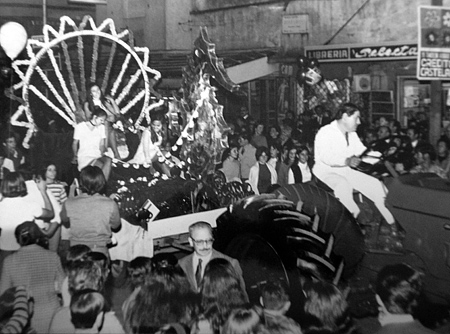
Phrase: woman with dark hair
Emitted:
{"points": [[300, 171], [221, 292], [274, 135], [231, 167], [258, 139], [262, 175], [283, 174], [97, 100], [15, 208], [38, 269], [91, 216], [275, 155], [165, 298], [244, 321], [325, 310]]}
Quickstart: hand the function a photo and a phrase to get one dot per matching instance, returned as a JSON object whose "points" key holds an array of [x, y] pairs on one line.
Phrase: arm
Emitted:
{"points": [[149, 149], [253, 179], [114, 219], [47, 211], [112, 106], [65, 220], [75, 145], [87, 111]]}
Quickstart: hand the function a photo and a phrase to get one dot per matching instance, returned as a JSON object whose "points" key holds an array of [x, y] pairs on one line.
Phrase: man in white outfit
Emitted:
{"points": [[337, 151]]}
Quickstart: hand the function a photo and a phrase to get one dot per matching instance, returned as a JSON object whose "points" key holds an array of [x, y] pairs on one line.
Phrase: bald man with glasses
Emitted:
{"points": [[201, 239]]}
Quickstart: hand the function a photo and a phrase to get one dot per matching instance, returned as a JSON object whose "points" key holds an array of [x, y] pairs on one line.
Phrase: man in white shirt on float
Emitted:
{"points": [[337, 152]]}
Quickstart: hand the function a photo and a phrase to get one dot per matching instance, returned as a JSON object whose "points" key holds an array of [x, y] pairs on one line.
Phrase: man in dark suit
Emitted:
{"points": [[201, 239]]}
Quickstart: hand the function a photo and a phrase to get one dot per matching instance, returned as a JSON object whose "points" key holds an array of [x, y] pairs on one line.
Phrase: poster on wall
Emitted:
{"points": [[433, 61]]}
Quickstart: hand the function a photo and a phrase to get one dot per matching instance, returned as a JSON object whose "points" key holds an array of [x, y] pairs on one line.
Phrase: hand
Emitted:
{"points": [[353, 161]]}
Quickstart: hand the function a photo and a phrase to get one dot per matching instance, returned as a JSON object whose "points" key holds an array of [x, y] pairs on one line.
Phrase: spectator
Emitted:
{"points": [[274, 135], [258, 139], [91, 216], [231, 167], [244, 321], [221, 292], [6, 165], [15, 209], [193, 265], [398, 289], [275, 156], [414, 136], [325, 310], [283, 174], [84, 275], [425, 156], [276, 303], [11, 151], [443, 156], [87, 310], [16, 310], [286, 133], [262, 175], [38, 269], [300, 171], [246, 155]]}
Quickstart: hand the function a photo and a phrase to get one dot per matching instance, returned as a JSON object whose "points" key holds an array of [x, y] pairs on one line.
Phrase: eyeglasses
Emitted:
{"points": [[208, 242]]}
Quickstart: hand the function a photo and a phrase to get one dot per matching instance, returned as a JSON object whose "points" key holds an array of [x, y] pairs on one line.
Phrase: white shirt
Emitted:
{"points": [[331, 150], [306, 174], [89, 142]]}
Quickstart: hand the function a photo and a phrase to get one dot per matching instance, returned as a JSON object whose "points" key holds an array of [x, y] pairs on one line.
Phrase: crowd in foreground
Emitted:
{"points": [[201, 293]]}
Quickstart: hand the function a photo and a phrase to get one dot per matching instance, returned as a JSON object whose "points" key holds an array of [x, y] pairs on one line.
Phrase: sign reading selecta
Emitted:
{"points": [[341, 53]]}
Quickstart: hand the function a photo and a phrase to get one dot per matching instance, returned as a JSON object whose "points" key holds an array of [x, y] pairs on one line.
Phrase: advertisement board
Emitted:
{"points": [[433, 61]]}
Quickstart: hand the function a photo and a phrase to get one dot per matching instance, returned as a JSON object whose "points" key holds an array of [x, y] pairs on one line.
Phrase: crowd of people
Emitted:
{"points": [[55, 238]]}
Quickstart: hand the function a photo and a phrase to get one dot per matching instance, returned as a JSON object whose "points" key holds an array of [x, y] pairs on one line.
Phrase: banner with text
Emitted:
{"points": [[433, 61]]}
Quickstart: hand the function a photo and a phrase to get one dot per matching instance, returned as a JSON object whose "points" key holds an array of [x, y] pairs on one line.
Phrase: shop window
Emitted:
{"points": [[413, 97]]}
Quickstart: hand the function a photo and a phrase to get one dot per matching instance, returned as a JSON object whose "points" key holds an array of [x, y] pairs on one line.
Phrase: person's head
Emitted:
{"points": [[326, 309], [221, 291], [275, 150], [10, 140], [138, 270], [201, 238], [76, 253], [102, 260], [348, 117], [424, 153], [156, 125], [98, 117], [274, 131], [262, 154], [398, 288], [87, 309], [286, 131], [319, 110], [370, 136], [243, 111], [395, 126], [259, 128], [443, 147], [244, 139], [383, 121], [13, 185], [290, 115], [85, 275], [92, 180], [231, 152], [384, 132], [243, 321], [95, 91], [28, 233], [49, 173], [303, 154], [412, 133], [275, 297], [292, 154]]}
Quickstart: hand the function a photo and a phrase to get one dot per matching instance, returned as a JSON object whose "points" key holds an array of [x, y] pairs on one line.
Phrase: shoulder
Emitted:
{"points": [[217, 254], [183, 261]]}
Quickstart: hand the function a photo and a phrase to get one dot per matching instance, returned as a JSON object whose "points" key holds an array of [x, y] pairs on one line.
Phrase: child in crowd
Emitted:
{"points": [[87, 311]]}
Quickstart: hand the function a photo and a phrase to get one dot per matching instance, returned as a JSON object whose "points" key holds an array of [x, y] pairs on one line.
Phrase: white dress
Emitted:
{"points": [[147, 150]]}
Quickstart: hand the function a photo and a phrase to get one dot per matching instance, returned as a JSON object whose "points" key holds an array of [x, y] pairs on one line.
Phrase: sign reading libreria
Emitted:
{"points": [[433, 61], [360, 52]]}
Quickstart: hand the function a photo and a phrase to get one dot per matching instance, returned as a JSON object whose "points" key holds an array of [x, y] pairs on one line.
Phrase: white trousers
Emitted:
{"points": [[346, 180]]}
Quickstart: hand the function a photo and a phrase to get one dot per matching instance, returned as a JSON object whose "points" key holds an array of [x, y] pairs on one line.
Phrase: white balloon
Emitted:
{"points": [[13, 38]]}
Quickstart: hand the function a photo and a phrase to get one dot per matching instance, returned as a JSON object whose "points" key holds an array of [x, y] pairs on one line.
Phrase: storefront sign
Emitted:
{"points": [[355, 52], [433, 62]]}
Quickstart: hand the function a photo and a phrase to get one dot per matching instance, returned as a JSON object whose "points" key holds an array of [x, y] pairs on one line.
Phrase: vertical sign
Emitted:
{"points": [[433, 61]]}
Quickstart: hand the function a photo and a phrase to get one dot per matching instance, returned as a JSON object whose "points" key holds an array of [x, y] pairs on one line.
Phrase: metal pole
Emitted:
{"points": [[44, 12]]}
